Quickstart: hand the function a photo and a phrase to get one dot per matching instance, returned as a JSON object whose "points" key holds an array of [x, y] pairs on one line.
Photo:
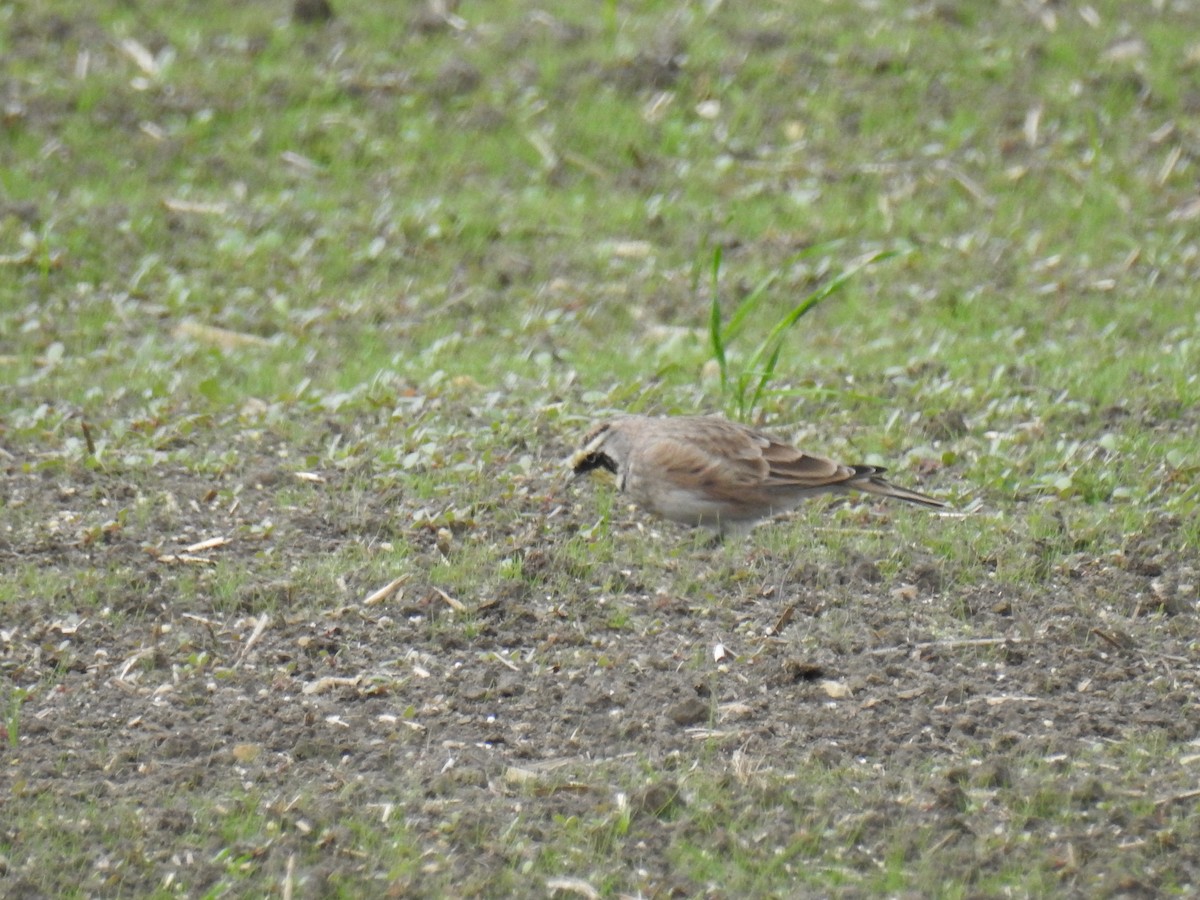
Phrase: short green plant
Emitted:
{"points": [[742, 389], [12, 715]]}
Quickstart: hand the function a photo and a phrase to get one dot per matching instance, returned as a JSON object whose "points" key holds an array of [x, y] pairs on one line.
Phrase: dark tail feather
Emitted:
{"points": [[870, 482]]}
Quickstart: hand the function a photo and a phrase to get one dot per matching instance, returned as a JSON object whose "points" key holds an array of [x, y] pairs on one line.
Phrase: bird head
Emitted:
{"points": [[604, 447]]}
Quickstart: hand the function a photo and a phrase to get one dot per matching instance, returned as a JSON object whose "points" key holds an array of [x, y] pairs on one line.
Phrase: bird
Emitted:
{"points": [[710, 472]]}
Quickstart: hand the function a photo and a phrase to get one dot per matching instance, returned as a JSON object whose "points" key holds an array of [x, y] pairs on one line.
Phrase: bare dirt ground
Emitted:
{"points": [[146, 718]]}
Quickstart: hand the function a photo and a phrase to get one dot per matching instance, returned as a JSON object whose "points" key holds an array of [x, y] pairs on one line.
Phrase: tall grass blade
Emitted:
{"points": [[756, 371], [714, 320]]}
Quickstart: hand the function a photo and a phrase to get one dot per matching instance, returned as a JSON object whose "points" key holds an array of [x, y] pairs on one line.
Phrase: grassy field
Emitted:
{"points": [[300, 316]]}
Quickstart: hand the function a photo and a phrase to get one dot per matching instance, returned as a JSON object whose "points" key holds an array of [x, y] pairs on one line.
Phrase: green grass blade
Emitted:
{"points": [[773, 342], [750, 302], [809, 303], [748, 305], [714, 320], [765, 377]]}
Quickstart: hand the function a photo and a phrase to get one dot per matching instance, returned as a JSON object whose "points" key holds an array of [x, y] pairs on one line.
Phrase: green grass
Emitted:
{"points": [[439, 250]]}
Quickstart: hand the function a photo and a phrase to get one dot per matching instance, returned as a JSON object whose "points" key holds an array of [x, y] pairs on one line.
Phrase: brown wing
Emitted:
{"points": [[780, 464], [725, 453], [722, 475], [732, 459], [789, 466], [729, 460]]}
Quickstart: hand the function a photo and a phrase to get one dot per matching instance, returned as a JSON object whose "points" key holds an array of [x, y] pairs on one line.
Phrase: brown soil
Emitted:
{"points": [[148, 717]]}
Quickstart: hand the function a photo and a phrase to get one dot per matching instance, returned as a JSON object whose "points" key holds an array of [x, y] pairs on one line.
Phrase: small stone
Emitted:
{"points": [[660, 800], [311, 11], [690, 712]]}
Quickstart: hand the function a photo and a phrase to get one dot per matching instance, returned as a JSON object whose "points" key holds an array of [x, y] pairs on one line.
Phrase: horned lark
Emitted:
{"points": [[717, 474]]}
